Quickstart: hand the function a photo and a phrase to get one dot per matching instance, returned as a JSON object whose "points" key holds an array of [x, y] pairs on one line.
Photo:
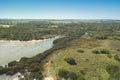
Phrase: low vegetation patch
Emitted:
{"points": [[109, 55], [102, 51], [96, 51], [117, 57], [101, 37], [69, 75], [114, 72], [80, 51], [71, 61], [105, 51]]}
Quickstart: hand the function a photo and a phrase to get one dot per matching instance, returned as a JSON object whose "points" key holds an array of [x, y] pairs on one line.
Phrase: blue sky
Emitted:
{"points": [[60, 9]]}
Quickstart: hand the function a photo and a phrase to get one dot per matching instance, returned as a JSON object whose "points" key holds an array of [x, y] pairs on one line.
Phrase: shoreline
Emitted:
{"points": [[15, 45], [23, 42], [58, 36]]}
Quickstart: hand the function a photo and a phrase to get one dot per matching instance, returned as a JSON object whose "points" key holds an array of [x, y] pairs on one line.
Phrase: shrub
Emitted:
{"points": [[24, 59], [104, 51], [109, 56], [114, 72], [20, 66], [117, 76], [34, 67], [101, 37], [112, 69], [96, 52], [81, 51], [10, 73], [1, 67], [83, 72], [69, 75], [71, 61], [63, 73], [36, 75], [117, 57], [80, 77], [72, 76], [4, 70], [13, 63], [118, 49]]}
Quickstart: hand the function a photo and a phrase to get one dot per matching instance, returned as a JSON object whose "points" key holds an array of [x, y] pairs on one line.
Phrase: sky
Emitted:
{"points": [[60, 9]]}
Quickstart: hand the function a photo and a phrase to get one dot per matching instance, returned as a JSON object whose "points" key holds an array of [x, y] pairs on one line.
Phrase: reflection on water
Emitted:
{"points": [[14, 50]]}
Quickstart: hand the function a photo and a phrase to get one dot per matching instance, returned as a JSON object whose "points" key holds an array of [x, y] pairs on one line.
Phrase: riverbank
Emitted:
{"points": [[22, 42]]}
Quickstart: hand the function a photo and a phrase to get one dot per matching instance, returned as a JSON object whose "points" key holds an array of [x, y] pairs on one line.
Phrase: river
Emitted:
{"points": [[14, 50]]}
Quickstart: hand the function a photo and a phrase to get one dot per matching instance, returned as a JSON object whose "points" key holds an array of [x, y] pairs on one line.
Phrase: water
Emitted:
{"points": [[7, 77], [14, 50]]}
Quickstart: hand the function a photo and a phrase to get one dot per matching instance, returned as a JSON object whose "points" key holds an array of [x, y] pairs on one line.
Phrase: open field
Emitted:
{"points": [[93, 65]]}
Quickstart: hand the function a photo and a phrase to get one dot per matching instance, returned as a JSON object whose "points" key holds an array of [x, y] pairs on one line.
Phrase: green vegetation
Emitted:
{"points": [[69, 75], [102, 40], [81, 51], [40, 29], [96, 52], [105, 51], [117, 57], [71, 61], [114, 72], [89, 66], [109, 56], [102, 51]]}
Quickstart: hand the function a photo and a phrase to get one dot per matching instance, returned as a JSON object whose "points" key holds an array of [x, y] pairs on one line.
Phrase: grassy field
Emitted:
{"points": [[81, 49]]}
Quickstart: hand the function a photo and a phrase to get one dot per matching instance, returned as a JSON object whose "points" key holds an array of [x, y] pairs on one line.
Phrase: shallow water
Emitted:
{"points": [[14, 50], [6, 77]]}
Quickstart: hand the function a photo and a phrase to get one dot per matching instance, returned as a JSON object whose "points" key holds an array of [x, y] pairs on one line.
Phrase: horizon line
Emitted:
{"points": [[58, 19]]}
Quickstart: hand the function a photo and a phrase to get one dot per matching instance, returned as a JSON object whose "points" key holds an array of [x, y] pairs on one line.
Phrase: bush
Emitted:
{"points": [[35, 67], [118, 49], [63, 73], [72, 76], [83, 72], [80, 77], [81, 51], [114, 72], [69, 75], [4, 70], [104, 51], [112, 69], [101, 37], [24, 59], [10, 73], [117, 57], [96, 52], [13, 63], [36, 75], [71, 61], [117, 76], [1, 67], [109, 56]]}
